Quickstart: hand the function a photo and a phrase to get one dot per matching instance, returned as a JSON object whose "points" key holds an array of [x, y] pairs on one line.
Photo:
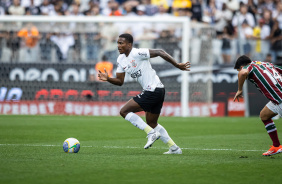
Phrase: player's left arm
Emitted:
{"points": [[169, 58], [242, 76], [278, 68]]}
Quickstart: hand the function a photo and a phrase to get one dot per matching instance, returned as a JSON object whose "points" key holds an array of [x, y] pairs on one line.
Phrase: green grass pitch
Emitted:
{"points": [[215, 150]]}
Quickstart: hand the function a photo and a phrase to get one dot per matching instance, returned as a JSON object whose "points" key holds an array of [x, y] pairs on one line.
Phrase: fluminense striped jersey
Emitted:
{"points": [[267, 78]]}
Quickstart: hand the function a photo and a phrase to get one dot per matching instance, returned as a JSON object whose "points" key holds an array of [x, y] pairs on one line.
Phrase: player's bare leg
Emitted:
{"points": [[265, 115], [152, 120], [128, 113]]}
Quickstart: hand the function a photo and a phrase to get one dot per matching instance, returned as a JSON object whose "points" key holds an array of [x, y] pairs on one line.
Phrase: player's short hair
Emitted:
{"points": [[127, 36], [242, 61]]}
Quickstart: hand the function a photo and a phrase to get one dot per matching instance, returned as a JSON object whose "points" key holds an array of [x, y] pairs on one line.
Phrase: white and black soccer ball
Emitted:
{"points": [[71, 145]]}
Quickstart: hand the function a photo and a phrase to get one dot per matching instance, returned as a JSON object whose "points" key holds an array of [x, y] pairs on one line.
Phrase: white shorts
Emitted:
{"points": [[277, 109]]}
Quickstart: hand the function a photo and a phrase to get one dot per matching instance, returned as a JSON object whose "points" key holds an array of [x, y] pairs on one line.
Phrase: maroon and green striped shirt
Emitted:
{"points": [[267, 78]]}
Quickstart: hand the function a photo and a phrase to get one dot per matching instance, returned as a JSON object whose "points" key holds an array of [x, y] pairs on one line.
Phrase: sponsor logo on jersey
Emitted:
{"points": [[136, 74], [133, 63], [142, 54]]}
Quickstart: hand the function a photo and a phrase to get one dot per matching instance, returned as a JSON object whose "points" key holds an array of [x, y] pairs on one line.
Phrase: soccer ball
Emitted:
{"points": [[71, 145]]}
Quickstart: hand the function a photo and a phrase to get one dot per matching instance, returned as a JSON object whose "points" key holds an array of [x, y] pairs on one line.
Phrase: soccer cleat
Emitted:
{"points": [[171, 151], [273, 151], [152, 137]]}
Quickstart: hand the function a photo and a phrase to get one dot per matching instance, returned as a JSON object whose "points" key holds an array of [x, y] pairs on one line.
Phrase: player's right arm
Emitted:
{"points": [[242, 76], [116, 81]]}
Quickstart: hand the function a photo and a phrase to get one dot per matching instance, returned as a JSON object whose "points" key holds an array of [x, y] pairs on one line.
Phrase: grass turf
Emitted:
{"points": [[215, 150]]}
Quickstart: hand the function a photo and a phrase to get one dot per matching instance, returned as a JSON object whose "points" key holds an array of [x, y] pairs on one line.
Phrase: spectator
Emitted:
{"points": [[13, 43], [2, 11], [28, 3], [138, 27], [196, 10], [277, 14], [16, 8], [252, 8], [2, 36], [77, 36], [146, 39], [233, 5], [5, 4], [63, 42], [261, 34], [104, 65], [167, 41], [276, 41], [268, 5], [162, 14], [268, 58], [129, 10], [32, 9], [244, 37], [267, 17], [244, 15], [93, 36], [209, 12], [93, 44], [93, 9], [110, 33], [222, 17], [180, 5], [150, 9], [30, 36], [112, 9], [226, 38], [45, 46], [163, 3], [46, 8]]}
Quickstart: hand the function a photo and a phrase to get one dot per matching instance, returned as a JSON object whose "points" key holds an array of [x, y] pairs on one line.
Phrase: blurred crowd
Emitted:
{"points": [[251, 27]]}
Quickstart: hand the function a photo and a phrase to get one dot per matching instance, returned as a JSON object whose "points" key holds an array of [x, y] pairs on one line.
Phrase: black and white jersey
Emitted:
{"points": [[138, 66]]}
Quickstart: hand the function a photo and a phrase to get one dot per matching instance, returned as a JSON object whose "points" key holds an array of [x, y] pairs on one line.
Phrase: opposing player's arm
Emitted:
{"points": [[278, 68], [116, 81], [169, 58], [242, 76]]}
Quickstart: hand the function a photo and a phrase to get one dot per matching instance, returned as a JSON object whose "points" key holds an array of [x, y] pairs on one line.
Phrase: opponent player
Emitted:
{"points": [[136, 63], [267, 78]]}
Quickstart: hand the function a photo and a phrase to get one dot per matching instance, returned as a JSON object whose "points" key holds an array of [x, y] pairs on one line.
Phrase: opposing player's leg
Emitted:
{"points": [[152, 120], [128, 113], [266, 115]]}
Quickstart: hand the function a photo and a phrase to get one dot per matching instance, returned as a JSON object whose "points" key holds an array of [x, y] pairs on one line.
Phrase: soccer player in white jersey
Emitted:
{"points": [[135, 62]]}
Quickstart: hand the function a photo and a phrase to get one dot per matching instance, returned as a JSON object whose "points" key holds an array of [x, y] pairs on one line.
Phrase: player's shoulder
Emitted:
{"points": [[120, 58], [140, 52]]}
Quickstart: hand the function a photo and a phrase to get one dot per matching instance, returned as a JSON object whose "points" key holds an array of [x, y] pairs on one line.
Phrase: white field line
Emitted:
{"points": [[128, 147]]}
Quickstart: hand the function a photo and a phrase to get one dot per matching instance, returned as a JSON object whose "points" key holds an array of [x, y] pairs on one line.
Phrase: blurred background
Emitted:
{"points": [[51, 67]]}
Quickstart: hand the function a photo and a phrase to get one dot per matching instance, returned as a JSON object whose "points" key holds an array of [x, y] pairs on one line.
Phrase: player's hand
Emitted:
{"points": [[238, 95], [184, 66], [103, 76]]}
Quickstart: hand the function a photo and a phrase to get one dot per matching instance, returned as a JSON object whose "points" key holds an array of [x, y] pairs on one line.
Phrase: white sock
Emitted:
{"points": [[135, 120], [165, 137]]}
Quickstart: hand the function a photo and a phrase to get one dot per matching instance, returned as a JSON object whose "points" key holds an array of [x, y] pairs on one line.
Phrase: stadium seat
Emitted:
{"points": [[56, 94], [71, 94], [86, 94], [133, 93], [117, 93], [102, 93], [42, 93], [174, 94]]}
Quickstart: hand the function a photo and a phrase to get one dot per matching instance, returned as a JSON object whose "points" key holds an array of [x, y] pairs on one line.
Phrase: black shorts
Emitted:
{"points": [[151, 101]]}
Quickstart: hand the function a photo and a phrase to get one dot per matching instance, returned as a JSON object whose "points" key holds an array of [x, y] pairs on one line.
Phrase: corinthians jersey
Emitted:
{"points": [[138, 66], [267, 78]]}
